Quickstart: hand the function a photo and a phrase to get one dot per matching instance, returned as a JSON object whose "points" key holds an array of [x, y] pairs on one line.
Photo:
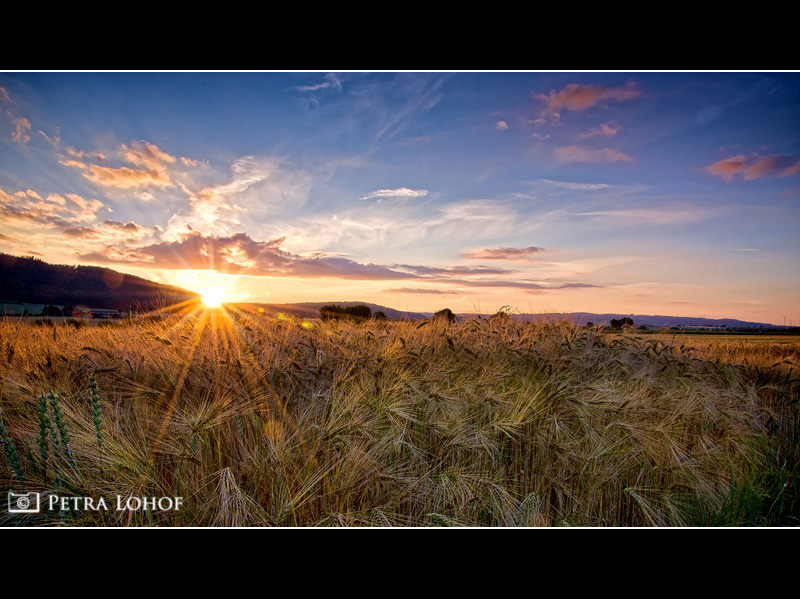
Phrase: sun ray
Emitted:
{"points": [[212, 296]]}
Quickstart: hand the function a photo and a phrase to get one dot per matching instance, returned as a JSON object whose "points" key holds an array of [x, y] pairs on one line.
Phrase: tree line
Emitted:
{"points": [[358, 313]]}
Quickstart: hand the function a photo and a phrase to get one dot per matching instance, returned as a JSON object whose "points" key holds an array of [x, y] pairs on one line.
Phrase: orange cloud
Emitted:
{"points": [[126, 178], [55, 210], [578, 97], [21, 128], [147, 155], [754, 167], [152, 167]]}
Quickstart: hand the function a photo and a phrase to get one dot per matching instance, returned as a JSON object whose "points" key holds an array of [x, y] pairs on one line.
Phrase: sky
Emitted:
{"points": [[629, 192]]}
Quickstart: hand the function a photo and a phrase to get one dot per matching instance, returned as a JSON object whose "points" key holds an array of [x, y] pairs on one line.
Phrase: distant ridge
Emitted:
{"points": [[311, 310], [26, 279], [582, 318]]}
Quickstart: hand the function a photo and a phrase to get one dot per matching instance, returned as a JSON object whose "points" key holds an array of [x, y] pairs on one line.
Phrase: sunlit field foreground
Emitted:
{"points": [[258, 421]]}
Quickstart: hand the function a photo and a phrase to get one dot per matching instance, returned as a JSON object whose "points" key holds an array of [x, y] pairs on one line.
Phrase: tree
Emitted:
{"points": [[503, 314], [332, 312], [359, 312], [622, 322], [444, 315]]}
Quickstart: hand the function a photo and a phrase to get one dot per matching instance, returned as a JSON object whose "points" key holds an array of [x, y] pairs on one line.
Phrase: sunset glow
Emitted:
{"points": [[212, 297], [624, 192]]}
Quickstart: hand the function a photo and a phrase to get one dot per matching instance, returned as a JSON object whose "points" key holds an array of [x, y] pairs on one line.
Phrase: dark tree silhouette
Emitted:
{"points": [[445, 315], [30, 280], [356, 313], [621, 322]]}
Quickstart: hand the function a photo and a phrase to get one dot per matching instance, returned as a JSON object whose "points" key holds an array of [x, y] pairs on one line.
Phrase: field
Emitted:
{"points": [[251, 420]]}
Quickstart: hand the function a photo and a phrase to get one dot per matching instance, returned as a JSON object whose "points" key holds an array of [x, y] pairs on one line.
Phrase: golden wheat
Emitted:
{"points": [[258, 421]]}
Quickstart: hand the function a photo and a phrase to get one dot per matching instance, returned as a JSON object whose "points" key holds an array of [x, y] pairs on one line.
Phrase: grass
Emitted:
{"points": [[258, 421]]}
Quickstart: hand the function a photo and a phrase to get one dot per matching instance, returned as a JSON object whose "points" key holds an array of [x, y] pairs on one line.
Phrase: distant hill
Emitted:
{"points": [[311, 310], [29, 280], [648, 320]]}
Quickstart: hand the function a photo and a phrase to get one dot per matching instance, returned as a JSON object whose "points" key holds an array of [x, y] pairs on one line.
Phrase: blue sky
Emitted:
{"points": [[673, 193]]}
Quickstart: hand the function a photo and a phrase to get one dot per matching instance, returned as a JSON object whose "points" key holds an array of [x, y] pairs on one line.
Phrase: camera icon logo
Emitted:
{"points": [[23, 503]]}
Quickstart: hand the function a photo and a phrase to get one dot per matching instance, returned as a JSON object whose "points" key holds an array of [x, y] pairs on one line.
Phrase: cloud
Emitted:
{"points": [[501, 126], [80, 232], [332, 82], [130, 228], [754, 167], [674, 215], [261, 190], [145, 165], [147, 155], [21, 128], [53, 211], [504, 253], [578, 97], [152, 162], [341, 268], [122, 177], [400, 192], [433, 271], [578, 154], [603, 129], [422, 291], [240, 254], [571, 186]]}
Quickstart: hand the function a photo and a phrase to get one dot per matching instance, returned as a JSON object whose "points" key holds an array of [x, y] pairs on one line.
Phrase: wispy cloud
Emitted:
{"points": [[400, 192], [675, 215], [261, 189], [422, 290], [331, 82], [21, 125], [525, 253], [460, 271], [603, 129], [580, 154]]}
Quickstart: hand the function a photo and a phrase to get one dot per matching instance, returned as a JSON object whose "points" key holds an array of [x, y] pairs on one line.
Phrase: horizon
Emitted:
{"points": [[652, 193]]}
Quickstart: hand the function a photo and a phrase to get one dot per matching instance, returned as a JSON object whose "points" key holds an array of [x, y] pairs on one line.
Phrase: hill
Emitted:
{"points": [[311, 310], [30, 280], [654, 321]]}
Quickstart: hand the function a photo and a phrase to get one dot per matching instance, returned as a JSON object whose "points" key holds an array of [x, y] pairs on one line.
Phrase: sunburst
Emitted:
{"points": [[212, 297]]}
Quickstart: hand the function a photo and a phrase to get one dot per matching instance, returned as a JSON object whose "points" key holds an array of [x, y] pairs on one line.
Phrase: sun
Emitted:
{"points": [[212, 297]]}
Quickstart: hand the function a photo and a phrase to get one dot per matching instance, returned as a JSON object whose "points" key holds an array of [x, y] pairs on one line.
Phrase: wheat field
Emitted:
{"points": [[278, 422]]}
